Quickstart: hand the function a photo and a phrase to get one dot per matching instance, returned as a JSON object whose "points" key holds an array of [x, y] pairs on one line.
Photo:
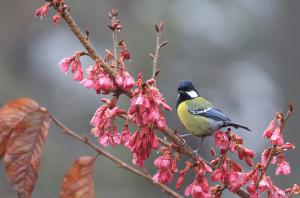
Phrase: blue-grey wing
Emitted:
{"points": [[211, 112]]}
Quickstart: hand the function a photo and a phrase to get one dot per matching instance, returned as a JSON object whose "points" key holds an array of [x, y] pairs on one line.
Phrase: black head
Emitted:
{"points": [[185, 86], [186, 91]]}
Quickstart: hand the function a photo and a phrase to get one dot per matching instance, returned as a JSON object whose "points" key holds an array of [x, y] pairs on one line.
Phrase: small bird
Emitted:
{"points": [[200, 117]]}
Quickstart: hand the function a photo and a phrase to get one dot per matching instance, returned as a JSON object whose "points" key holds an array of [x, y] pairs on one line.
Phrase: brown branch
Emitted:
{"points": [[158, 29], [111, 157], [185, 149]]}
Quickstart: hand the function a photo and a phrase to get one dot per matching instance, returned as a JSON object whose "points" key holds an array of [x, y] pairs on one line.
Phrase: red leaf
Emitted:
{"points": [[24, 147], [78, 182], [10, 115]]}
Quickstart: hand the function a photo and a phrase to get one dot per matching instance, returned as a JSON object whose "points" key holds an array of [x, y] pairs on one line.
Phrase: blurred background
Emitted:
{"points": [[243, 55]]}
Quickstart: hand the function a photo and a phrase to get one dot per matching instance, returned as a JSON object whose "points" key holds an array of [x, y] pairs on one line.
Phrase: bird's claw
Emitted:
{"points": [[195, 154], [181, 141]]}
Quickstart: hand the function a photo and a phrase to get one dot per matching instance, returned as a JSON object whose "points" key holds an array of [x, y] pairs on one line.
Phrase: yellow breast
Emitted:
{"points": [[196, 125]]}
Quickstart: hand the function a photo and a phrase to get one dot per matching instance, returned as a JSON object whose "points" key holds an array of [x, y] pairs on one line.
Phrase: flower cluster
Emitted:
{"points": [[141, 144], [146, 105], [232, 142], [124, 80], [166, 165], [76, 67], [200, 186], [274, 132], [146, 112], [43, 10], [103, 123], [98, 79]]}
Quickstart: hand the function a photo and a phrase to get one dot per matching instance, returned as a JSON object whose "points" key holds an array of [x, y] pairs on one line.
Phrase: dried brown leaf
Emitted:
{"points": [[78, 182], [10, 115], [24, 148]]}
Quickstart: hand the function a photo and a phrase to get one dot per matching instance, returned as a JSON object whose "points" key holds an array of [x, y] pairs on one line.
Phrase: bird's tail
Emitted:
{"points": [[235, 125]]}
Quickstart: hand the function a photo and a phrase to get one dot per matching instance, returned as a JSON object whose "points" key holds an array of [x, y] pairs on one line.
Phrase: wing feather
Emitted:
{"points": [[211, 112]]}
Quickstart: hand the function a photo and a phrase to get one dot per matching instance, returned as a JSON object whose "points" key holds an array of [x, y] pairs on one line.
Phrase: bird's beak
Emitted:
{"points": [[180, 91]]}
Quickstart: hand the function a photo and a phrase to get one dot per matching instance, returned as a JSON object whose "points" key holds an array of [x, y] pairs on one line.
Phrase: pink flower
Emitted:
{"points": [[56, 18], [166, 167], [265, 155], [283, 167], [221, 139], [98, 79], [199, 188], [146, 106], [87, 83], [103, 123], [124, 80], [245, 154], [78, 74], [252, 190], [276, 137], [42, 11], [265, 184], [125, 136], [141, 143], [76, 67], [270, 129], [287, 146], [64, 65], [105, 82]]}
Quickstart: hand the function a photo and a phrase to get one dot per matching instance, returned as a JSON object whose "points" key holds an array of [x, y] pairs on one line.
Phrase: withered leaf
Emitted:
{"points": [[28, 125], [78, 182], [10, 115]]}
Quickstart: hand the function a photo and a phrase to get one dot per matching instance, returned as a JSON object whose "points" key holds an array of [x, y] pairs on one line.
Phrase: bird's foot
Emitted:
{"points": [[181, 139], [195, 153]]}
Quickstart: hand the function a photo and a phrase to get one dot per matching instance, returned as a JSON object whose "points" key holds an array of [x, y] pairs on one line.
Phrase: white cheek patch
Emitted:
{"points": [[192, 94]]}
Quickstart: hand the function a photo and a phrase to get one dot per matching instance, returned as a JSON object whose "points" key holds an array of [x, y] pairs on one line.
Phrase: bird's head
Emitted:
{"points": [[186, 90]]}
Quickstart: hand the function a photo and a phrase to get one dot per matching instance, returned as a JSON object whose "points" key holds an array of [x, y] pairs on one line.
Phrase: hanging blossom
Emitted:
{"points": [[141, 143], [103, 123], [125, 136], [229, 173], [43, 10], [166, 166], [98, 79], [76, 67], [265, 185], [234, 143], [283, 167], [124, 80], [145, 111], [199, 187], [147, 104], [274, 132]]}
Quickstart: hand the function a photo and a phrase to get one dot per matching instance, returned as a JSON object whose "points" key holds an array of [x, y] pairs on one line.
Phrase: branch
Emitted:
{"points": [[111, 157], [158, 29], [185, 149]]}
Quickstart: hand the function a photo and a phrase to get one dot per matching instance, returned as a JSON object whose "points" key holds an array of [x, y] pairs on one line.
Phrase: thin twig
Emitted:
{"points": [[111, 157], [158, 29]]}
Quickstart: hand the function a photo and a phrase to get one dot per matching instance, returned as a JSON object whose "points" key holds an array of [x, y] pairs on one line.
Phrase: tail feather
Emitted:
{"points": [[235, 125]]}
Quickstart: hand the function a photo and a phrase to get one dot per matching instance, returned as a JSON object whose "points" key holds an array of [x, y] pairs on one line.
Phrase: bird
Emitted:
{"points": [[199, 116]]}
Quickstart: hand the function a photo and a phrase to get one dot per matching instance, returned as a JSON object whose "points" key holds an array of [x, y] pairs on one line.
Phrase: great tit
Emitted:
{"points": [[200, 117]]}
